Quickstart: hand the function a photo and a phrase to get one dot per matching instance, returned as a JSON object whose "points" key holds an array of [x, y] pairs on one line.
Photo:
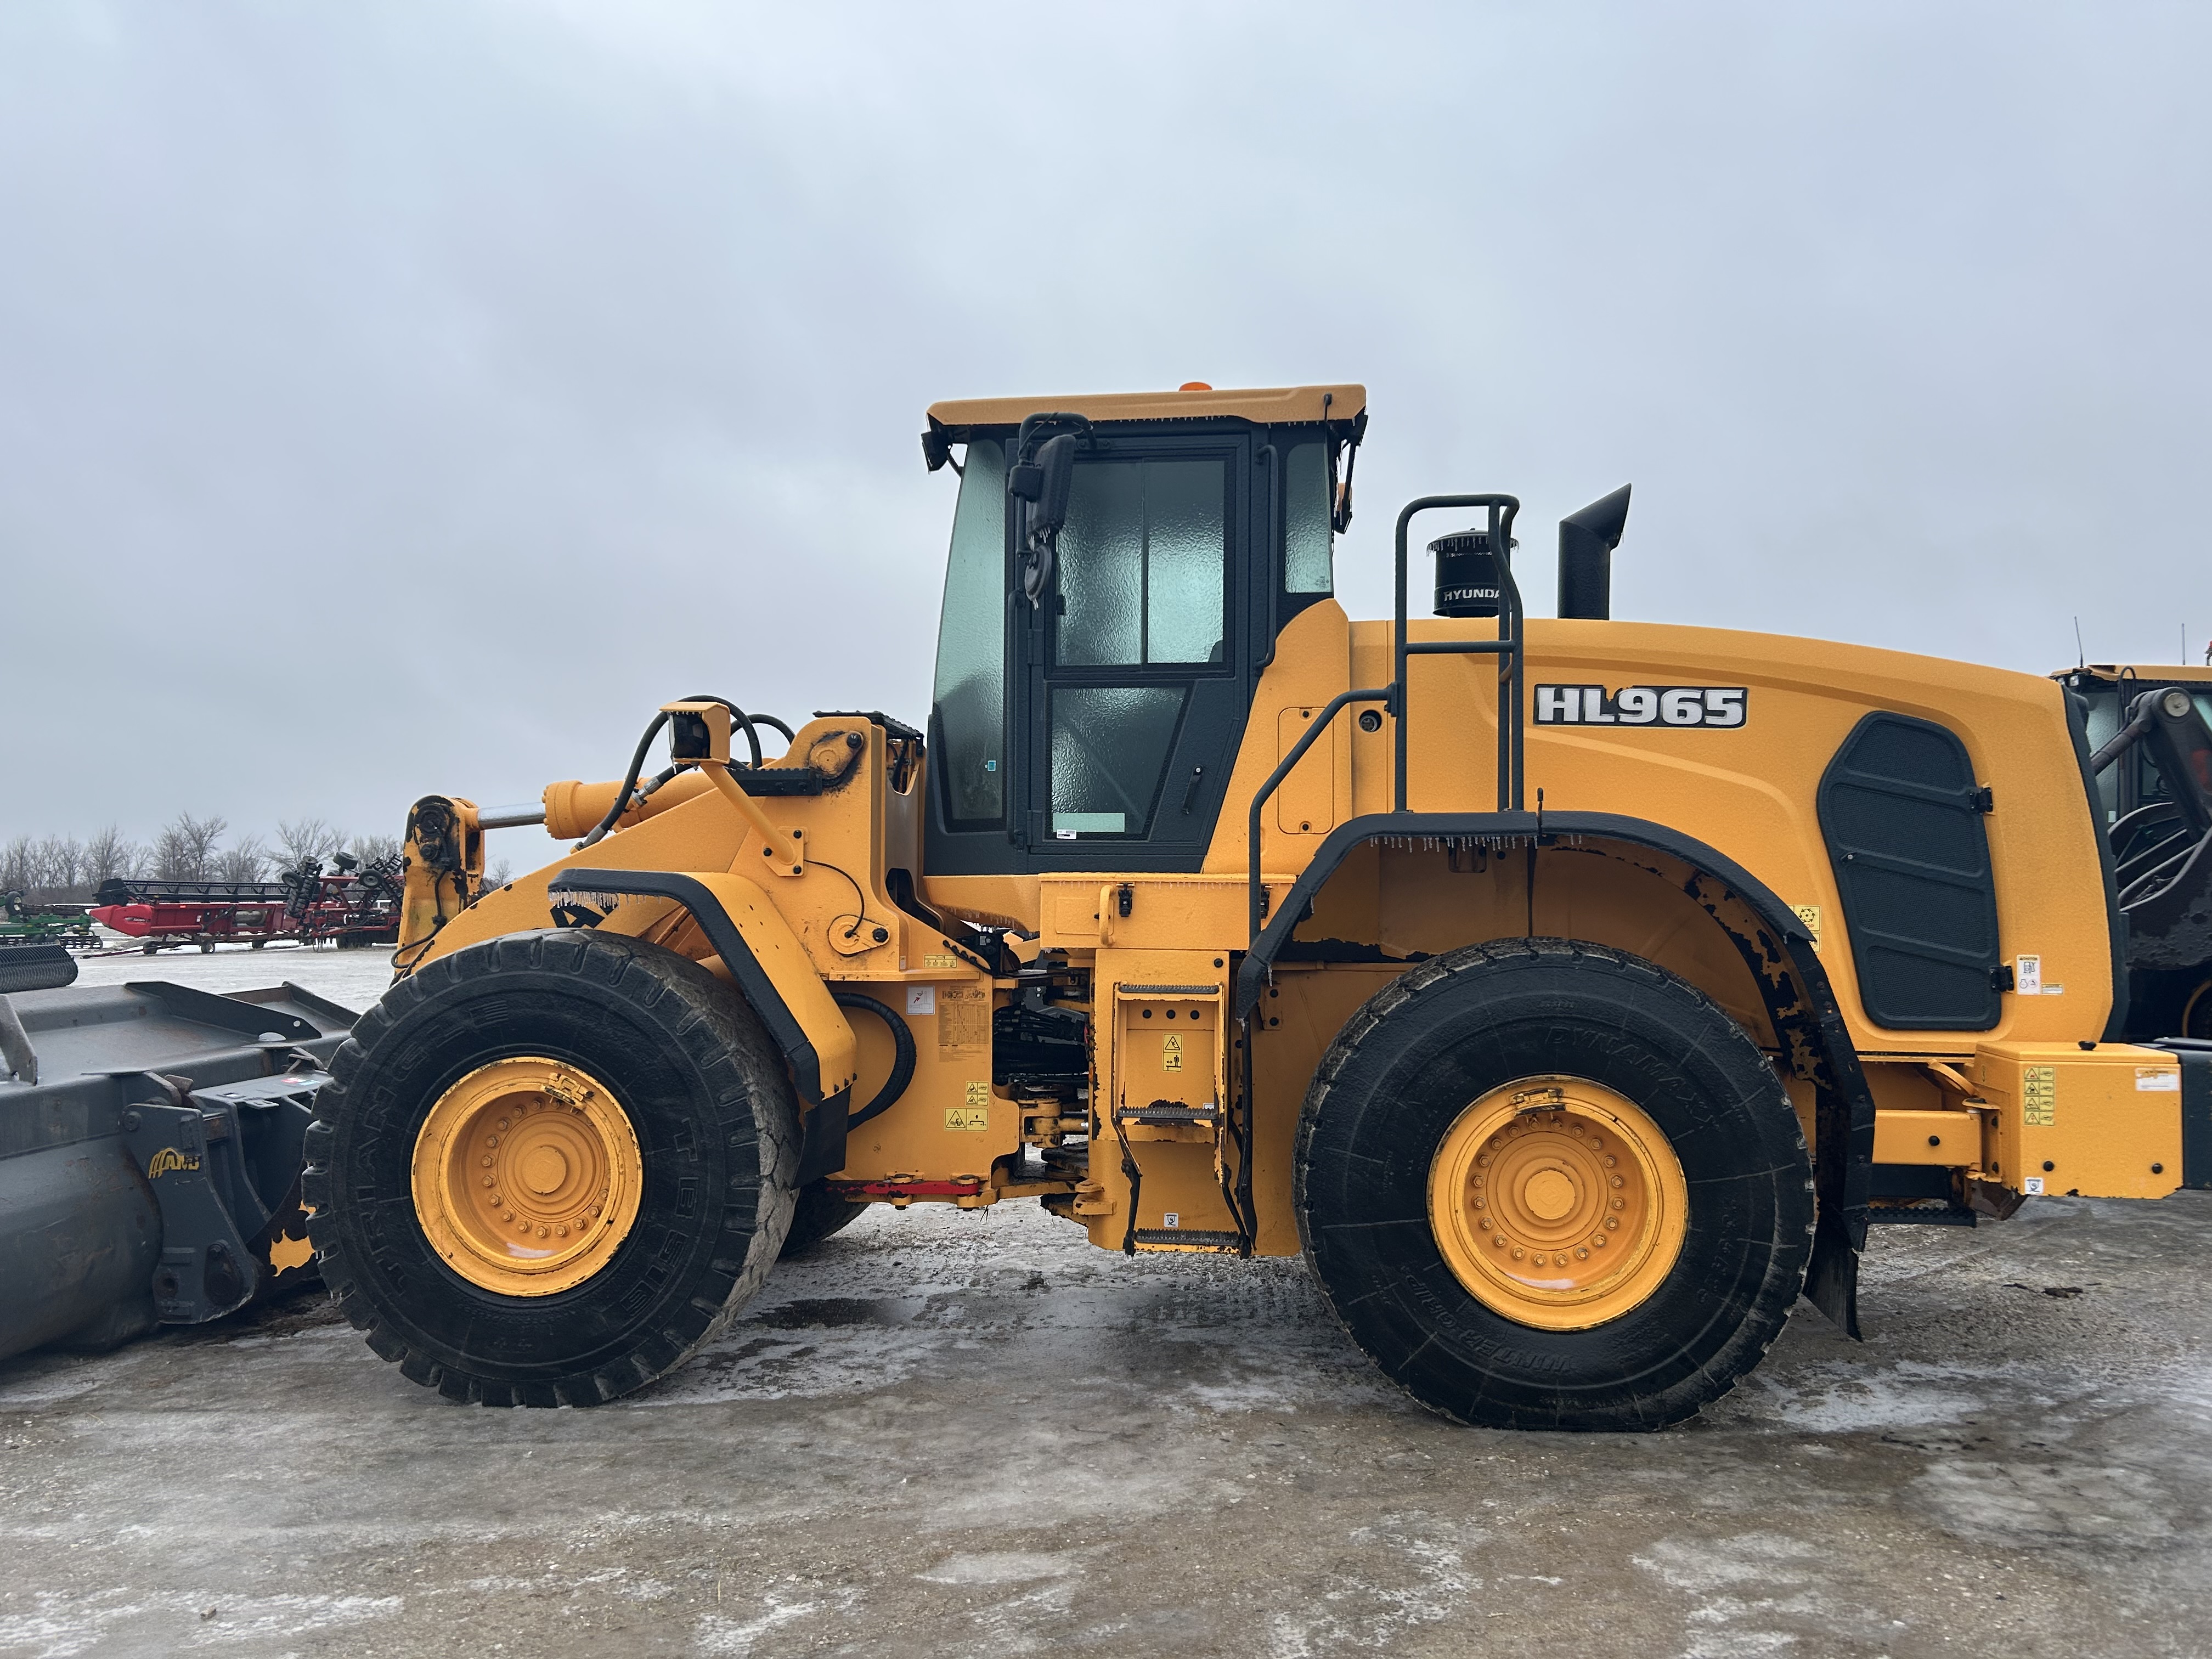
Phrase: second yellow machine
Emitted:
{"points": [[1572, 993]]}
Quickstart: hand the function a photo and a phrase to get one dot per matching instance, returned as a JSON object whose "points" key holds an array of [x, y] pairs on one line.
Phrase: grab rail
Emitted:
{"points": [[1507, 648], [1256, 894]]}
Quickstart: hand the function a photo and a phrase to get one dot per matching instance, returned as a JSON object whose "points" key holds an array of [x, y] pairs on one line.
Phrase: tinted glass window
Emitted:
{"points": [[1142, 563], [1307, 567], [969, 703], [1109, 745]]}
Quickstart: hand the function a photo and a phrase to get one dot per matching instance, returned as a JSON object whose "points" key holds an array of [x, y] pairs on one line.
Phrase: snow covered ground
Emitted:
{"points": [[353, 979]]}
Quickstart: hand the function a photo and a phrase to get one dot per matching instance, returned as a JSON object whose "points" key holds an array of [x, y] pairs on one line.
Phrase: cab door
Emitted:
{"points": [[1134, 694]]}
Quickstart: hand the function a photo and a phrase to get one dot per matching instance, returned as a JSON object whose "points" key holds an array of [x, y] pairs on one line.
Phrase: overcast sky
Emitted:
{"points": [[410, 398]]}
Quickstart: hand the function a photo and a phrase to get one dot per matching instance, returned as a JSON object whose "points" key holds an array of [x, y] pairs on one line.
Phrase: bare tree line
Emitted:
{"points": [[62, 869]]}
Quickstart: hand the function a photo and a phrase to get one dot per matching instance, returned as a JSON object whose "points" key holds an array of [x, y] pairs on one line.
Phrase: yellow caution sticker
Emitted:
{"points": [[967, 1118], [937, 959], [1171, 1053], [2038, 1096], [1810, 915], [2157, 1080]]}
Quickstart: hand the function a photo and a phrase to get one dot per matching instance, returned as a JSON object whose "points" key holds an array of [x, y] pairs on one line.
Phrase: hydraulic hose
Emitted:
{"points": [[901, 1062], [738, 721], [628, 783]]}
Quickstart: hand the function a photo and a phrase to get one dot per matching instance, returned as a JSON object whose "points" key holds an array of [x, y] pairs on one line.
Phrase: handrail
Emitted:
{"points": [[1255, 895], [1507, 646]]}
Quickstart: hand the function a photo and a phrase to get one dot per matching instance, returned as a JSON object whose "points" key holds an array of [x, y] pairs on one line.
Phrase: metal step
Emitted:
{"points": [[1184, 1238]]}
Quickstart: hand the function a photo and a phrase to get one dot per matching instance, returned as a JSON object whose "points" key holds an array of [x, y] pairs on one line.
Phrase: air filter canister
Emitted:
{"points": [[1466, 574]]}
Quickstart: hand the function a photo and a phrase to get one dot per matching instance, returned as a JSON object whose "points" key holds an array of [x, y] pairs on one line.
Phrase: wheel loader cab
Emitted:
{"points": [[1093, 725]]}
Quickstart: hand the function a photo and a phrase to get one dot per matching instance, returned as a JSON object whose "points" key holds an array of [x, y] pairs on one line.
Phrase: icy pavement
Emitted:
{"points": [[953, 1433]]}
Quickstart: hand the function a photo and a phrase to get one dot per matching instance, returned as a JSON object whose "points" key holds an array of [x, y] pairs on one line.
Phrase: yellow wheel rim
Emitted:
{"points": [[527, 1176], [1558, 1203]]}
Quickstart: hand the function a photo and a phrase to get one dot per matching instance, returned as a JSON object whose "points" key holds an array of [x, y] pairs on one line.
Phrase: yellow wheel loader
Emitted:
{"points": [[1572, 993]]}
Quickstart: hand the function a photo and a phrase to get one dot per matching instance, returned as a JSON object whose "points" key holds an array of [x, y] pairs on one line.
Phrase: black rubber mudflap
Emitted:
{"points": [[1832, 1278]]}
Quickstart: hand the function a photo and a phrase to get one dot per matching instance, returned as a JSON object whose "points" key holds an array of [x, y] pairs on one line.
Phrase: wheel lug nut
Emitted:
{"points": [[489, 1182], [1581, 1254], [491, 1140]]}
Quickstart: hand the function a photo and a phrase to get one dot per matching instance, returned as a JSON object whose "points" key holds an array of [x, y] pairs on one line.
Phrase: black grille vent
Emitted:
{"points": [[1903, 818]]}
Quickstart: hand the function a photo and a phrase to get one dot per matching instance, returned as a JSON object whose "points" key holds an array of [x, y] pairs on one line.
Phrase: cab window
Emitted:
{"points": [[967, 707], [1308, 565], [1144, 563]]}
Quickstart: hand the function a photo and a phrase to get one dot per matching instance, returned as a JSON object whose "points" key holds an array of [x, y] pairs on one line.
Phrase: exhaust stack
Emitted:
{"points": [[1586, 539]]}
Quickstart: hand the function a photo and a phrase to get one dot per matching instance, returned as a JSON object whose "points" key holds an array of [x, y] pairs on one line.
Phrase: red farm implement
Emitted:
{"points": [[354, 905]]}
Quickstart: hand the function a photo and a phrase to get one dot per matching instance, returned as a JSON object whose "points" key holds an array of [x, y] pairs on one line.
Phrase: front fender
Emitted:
{"points": [[764, 956]]}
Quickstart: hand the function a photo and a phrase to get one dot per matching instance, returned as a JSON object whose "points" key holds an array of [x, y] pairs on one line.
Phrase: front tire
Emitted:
{"points": [[818, 1215], [649, 1112], [1547, 1184]]}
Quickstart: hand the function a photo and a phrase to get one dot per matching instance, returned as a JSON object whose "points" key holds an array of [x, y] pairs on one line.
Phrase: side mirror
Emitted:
{"points": [[1586, 539], [1043, 486]]}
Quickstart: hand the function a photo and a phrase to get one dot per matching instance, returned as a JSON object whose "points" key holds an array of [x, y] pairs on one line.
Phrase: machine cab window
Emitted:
{"points": [[1089, 702], [1140, 611]]}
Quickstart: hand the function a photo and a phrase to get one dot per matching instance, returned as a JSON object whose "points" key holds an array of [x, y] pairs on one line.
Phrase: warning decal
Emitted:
{"points": [[2038, 1096], [963, 1019], [1171, 1053]]}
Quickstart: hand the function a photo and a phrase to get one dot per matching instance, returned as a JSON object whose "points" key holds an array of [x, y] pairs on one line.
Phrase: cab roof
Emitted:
{"points": [[1266, 405], [2148, 673]]}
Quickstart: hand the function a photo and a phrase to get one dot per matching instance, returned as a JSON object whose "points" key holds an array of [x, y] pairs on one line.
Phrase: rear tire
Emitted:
{"points": [[1398, 1087], [716, 1125]]}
